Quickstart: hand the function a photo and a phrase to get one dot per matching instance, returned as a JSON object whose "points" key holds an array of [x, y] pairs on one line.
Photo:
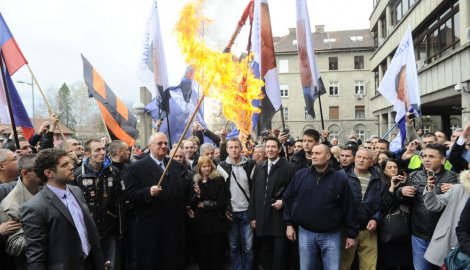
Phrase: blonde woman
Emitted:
{"points": [[208, 203]]}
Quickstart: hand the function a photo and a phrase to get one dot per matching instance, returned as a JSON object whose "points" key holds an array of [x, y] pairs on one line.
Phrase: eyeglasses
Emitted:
{"points": [[160, 143]]}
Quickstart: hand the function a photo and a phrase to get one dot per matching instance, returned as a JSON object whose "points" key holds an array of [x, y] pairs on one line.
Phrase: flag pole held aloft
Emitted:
{"points": [[49, 109], [10, 110]]}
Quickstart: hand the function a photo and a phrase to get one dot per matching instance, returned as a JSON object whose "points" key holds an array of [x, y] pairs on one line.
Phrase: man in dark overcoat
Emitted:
{"points": [[160, 209], [270, 178]]}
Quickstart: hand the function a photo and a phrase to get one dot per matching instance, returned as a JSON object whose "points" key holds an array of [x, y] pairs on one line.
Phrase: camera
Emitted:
{"points": [[264, 133]]}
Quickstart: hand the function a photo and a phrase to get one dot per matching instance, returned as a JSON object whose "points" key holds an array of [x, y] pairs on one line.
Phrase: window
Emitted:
{"points": [[333, 63], [440, 36], [283, 66], [360, 112], [329, 40], [455, 124], [384, 66], [384, 29], [361, 132], [376, 81], [306, 115], [334, 89], [286, 113], [334, 132], [284, 90], [405, 6], [443, 38], [359, 62], [398, 12], [356, 38], [334, 113], [359, 88], [427, 129]]}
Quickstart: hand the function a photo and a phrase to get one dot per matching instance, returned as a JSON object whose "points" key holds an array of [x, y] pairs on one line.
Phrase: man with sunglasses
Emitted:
{"points": [[159, 209]]}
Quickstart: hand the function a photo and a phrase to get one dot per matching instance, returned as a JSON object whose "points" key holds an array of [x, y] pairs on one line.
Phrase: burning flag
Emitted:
{"points": [[230, 82]]}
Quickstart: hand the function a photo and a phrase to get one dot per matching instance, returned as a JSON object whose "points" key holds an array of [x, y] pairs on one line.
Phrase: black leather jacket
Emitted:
{"points": [[423, 221]]}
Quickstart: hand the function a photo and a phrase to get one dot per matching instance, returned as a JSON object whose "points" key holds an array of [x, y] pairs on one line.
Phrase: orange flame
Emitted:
{"points": [[228, 81]]}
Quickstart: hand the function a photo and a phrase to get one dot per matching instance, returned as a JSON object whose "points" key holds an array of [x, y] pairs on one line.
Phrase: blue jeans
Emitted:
{"points": [[419, 246], [317, 249], [240, 239]]}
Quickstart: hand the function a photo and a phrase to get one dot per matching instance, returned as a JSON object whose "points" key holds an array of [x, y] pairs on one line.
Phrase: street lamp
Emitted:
{"points": [[32, 93]]}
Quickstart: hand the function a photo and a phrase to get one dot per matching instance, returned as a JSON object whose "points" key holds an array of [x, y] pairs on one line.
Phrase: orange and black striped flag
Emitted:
{"points": [[120, 122]]}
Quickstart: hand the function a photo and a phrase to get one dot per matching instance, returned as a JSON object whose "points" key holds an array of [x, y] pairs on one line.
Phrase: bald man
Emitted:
{"points": [[318, 200]]}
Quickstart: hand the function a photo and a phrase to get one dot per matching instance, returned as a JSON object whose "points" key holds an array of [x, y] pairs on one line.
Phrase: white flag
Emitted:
{"points": [[152, 71], [4, 114], [265, 60], [312, 84], [400, 82]]}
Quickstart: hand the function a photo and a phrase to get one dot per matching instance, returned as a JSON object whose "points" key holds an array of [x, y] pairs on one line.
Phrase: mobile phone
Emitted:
{"points": [[402, 172], [431, 174]]}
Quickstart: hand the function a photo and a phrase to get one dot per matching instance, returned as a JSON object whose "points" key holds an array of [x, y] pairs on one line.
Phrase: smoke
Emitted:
{"points": [[224, 17]]}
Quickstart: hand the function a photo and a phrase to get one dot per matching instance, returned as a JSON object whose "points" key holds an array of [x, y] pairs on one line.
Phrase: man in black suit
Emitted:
{"points": [[58, 228], [160, 210], [270, 178]]}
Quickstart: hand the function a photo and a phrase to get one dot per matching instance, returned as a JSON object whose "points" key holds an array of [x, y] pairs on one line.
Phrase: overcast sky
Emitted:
{"points": [[53, 33]]}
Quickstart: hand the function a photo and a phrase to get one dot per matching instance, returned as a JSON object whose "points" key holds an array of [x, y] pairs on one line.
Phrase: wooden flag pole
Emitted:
{"points": [[104, 122], [181, 139], [49, 109]]}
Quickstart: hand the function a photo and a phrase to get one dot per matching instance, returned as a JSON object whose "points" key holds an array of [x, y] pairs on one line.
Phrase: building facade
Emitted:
{"points": [[343, 62], [441, 34]]}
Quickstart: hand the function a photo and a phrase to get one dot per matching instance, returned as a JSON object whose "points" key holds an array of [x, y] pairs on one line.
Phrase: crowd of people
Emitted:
{"points": [[220, 203]]}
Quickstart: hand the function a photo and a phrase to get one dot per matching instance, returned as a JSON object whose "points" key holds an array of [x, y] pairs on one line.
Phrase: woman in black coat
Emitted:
{"points": [[463, 229], [208, 203], [393, 255]]}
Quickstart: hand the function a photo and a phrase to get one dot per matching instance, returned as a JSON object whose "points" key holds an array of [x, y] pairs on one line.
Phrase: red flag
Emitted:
{"points": [[12, 54]]}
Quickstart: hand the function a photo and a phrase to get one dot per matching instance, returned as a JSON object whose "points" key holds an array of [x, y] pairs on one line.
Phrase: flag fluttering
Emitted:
{"points": [[400, 82], [119, 121], [11, 60], [19, 112], [182, 100], [12, 55], [312, 84], [264, 62], [219, 75], [152, 70]]}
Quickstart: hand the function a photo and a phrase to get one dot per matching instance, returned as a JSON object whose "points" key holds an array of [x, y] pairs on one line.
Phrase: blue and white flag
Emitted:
{"points": [[312, 84], [182, 103], [151, 70], [400, 83]]}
